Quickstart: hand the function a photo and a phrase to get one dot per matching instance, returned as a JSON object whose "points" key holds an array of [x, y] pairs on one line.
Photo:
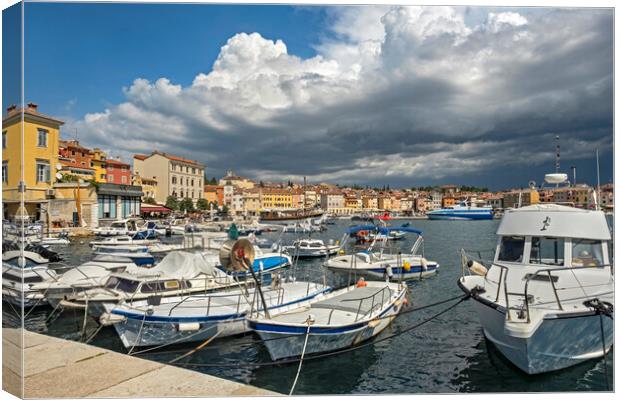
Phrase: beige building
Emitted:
{"points": [[236, 181], [175, 176]]}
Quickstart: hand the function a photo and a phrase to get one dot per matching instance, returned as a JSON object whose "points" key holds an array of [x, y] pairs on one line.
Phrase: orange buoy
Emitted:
{"points": [[361, 283]]}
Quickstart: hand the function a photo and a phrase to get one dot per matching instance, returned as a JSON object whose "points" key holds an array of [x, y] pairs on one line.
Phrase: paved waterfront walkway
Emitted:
{"points": [[55, 368]]}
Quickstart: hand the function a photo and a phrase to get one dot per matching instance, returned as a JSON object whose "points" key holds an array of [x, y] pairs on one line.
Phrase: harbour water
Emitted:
{"points": [[446, 355]]}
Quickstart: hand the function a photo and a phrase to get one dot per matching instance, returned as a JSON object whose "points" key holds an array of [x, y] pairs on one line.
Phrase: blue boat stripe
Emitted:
{"points": [[157, 318]]}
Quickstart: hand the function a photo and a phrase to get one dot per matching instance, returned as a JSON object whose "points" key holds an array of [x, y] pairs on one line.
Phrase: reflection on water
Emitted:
{"points": [[448, 354]]}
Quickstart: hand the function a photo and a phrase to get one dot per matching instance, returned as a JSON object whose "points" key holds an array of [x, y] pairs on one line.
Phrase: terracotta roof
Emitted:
{"points": [[116, 162], [179, 159], [140, 156]]}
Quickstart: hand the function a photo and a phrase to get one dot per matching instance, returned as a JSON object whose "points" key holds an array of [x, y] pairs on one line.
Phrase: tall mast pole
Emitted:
{"points": [[557, 157]]}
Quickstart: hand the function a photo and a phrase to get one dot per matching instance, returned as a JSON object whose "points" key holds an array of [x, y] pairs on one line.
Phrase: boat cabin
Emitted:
{"points": [[552, 235]]}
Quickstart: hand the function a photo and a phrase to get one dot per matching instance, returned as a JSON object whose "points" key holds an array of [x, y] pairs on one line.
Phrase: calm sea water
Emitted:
{"points": [[446, 355]]}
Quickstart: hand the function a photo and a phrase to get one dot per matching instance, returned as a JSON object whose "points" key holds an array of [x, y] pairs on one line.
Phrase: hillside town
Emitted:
{"points": [[66, 183]]}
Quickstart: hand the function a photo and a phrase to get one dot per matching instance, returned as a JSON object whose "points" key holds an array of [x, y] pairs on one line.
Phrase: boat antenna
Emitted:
{"points": [[557, 154], [598, 182], [557, 157]]}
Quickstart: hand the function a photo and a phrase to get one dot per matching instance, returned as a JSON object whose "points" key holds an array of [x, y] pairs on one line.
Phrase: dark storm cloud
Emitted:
{"points": [[418, 98]]}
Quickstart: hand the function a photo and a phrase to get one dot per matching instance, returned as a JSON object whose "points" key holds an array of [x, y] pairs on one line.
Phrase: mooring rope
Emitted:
{"points": [[301, 358], [258, 341], [332, 353]]}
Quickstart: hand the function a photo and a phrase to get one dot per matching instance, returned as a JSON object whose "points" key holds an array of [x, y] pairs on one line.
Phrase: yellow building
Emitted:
{"points": [[40, 160], [149, 186], [98, 162], [274, 198]]}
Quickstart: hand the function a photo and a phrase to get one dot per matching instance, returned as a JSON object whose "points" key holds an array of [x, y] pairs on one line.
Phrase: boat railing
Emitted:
{"points": [[538, 276], [373, 296], [551, 279]]}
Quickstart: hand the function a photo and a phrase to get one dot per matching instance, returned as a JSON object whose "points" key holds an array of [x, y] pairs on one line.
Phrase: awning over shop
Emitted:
{"points": [[146, 208], [119, 190]]}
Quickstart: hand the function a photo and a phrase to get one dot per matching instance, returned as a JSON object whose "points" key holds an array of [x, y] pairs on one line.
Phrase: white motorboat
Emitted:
{"points": [[202, 316], [139, 239], [308, 248], [30, 258], [139, 255], [91, 274], [17, 284], [378, 263], [543, 298], [178, 273], [333, 321], [123, 227]]}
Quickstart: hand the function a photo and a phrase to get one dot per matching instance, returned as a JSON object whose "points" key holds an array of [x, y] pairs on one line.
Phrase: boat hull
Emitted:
{"points": [[558, 343], [378, 271], [288, 341], [140, 329], [460, 216]]}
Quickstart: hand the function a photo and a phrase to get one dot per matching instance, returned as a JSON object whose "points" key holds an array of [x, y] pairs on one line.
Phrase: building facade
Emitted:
{"points": [[176, 176], [40, 161], [118, 172]]}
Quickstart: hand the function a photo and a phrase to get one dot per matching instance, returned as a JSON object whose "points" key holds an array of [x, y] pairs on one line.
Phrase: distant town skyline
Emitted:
{"points": [[366, 95]]}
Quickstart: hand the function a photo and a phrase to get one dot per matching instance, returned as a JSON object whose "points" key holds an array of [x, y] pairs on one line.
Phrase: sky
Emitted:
{"points": [[369, 95]]}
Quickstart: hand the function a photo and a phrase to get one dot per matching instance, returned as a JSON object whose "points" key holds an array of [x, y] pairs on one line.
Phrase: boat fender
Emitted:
{"points": [[476, 268], [388, 271], [188, 326], [407, 266], [361, 283], [108, 319], [424, 264], [405, 302], [341, 252]]}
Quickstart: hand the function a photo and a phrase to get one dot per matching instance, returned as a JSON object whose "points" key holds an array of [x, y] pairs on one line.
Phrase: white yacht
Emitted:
{"points": [[123, 227], [17, 284], [178, 273], [542, 300], [309, 248], [88, 275]]}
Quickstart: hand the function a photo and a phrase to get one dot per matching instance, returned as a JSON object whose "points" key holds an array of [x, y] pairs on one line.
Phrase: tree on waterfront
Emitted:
{"points": [[202, 204], [149, 200], [172, 203], [186, 205]]}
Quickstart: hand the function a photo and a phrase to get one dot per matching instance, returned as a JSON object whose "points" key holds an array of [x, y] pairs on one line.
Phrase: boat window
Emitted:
{"points": [[547, 250], [18, 278], [511, 249], [124, 285], [160, 286], [587, 253]]}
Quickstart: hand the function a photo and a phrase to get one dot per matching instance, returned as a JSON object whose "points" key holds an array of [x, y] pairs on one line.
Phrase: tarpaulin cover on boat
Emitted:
{"points": [[182, 264]]}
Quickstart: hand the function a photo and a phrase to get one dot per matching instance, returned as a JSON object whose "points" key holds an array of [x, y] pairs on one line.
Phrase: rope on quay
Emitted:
{"points": [[258, 341], [327, 354]]}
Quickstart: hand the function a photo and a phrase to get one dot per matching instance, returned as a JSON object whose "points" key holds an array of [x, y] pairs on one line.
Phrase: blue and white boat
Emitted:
{"points": [[202, 316], [461, 211], [332, 321], [139, 255], [380, 262], [264, 263]]}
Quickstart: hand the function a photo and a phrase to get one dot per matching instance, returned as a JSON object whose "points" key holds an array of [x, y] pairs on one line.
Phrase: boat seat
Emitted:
{"points": [[347, 301]]}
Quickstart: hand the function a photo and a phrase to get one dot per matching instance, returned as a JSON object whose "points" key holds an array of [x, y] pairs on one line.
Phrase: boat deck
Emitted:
{"points": [[344, 308]]}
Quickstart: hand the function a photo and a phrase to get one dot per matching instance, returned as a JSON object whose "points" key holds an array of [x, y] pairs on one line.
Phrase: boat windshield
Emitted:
{"points": [[511, 249], [125, 285], [587, 253], [547, 250]]}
